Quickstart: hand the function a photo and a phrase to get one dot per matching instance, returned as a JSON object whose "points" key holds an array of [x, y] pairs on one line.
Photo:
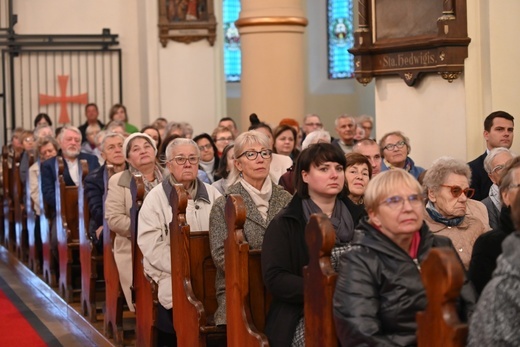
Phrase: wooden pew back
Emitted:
{"points": [[319, 283], [246, 298], [144, 289], [193, 279], [439, 324], [15, 180], [48, 267], [67, 233], [9, 233], [89, 257], [114, 298], [32, 228]]}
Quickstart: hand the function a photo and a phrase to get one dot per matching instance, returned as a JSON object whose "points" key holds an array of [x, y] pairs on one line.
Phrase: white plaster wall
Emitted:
{"points": [[180, 82], [431, 115], [90, 17]]}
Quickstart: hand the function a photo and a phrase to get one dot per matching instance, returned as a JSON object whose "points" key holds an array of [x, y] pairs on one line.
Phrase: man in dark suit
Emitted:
{"points": [[69, 140], [498, 132]]}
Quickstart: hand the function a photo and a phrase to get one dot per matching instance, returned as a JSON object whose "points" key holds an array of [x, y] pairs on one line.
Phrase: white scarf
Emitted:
{"points": [[260, 197], [207, 166]]}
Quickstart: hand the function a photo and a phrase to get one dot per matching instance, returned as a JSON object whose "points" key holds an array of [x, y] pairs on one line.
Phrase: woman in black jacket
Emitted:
{"points": [[379, 288], [319, 182]]}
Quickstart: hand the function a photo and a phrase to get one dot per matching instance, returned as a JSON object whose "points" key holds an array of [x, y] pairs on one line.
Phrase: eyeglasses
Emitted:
{"points": [[395, 202], [252, 155], [457, 191], [514, 186], [497, 168], [29, 139], [220, 139], [392, 146], [313, 124], [205, 147], [182, 160]]}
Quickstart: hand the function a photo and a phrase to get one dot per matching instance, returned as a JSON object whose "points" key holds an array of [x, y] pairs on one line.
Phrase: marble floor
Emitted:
{"points": [[67, 324]]}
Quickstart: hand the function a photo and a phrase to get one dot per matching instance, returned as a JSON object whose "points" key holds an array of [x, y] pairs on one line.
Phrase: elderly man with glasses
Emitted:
{"points": [[494, 165]]}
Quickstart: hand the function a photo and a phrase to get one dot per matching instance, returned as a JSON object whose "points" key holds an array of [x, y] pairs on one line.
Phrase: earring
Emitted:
{"points": [[240, 174]]}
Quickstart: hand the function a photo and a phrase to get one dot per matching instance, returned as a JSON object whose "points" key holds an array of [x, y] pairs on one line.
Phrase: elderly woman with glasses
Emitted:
{"points": [[379, 288], [450, 211], [263, 200], [395, 148], [182, 159], [139, 151]]}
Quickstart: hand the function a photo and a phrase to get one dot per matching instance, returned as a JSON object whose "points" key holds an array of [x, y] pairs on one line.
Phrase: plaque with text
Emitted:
{"points": [[410, 38], [186, 21]]}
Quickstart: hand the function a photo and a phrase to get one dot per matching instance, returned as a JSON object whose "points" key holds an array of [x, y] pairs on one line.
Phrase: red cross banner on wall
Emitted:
{"points": [[63, 99]]}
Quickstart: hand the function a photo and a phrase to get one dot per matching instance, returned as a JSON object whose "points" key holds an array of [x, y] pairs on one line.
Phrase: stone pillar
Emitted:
{"points": [[273, 75]]}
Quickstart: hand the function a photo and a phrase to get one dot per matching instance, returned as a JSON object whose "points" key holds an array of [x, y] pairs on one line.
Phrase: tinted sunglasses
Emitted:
{"points": [[456, 191]]}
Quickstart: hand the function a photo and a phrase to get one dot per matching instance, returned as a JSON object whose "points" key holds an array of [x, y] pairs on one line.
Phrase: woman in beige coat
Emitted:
{"points": [[139, 150], [449, 210]]}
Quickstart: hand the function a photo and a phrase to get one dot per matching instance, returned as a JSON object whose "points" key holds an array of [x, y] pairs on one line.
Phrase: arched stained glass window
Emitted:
{"points": [[232, 54], [340, 35]]}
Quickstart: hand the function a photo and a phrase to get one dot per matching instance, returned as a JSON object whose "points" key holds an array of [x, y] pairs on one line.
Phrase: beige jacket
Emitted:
{"points": [[117, 212], [154, 234], [464, 235]]}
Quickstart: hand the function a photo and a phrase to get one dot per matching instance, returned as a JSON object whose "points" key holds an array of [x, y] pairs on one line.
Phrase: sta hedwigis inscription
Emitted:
{"points": [[407, 60]]}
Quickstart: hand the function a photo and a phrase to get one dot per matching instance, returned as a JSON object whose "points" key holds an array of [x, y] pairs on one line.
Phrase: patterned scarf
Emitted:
{"points": [[407, 165], [494, 195], [340, 219], [157, 172], [439, 218]]}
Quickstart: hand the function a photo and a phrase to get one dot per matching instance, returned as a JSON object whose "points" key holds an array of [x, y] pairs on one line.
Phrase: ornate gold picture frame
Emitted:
{"points": [[186, 21]]}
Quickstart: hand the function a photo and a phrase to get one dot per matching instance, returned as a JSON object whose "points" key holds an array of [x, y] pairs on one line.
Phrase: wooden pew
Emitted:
{"points": [[114, 297], [68, 235], [33, 230], [9, 231], [15, 181], [319, 280], [439, 324], [91, 261], [49, 263], [144, 289], [246, 297], [193, 280]]}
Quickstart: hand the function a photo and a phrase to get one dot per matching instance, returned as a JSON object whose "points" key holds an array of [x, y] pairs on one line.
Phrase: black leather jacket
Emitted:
{"points": [[379, 289]]}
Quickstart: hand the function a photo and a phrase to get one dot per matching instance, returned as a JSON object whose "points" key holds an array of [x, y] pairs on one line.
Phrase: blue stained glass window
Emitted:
{"points": [[232, 53], [340, 35]]}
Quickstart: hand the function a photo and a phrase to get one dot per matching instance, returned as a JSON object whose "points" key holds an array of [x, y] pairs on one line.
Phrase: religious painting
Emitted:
{"points": [[186, 21], [410, 38]]}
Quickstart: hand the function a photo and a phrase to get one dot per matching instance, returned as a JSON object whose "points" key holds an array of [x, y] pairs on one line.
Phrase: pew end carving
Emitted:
{"points": [[114, 298], [245, 316], [68, 236], [193, 280], [319, 283], [144, 289], [439, 324]]}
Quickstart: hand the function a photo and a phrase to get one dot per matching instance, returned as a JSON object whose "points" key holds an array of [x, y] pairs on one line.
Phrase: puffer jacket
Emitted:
{"points": [[379, 289]]}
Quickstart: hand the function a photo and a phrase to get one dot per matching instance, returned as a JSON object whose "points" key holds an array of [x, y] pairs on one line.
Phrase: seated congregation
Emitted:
{"points": [[281, 237]]}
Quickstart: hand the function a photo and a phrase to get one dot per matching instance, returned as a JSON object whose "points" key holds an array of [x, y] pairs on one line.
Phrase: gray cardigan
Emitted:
{"points": [[254, 229]]}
